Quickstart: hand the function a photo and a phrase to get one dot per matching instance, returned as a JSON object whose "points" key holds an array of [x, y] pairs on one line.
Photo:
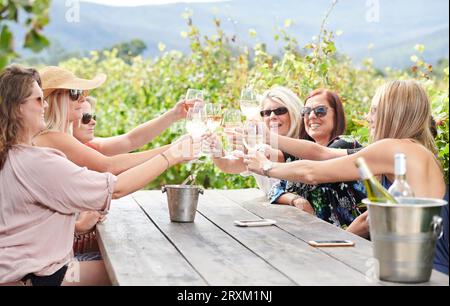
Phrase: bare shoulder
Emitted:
{"points": [[406, 146], [55, 139]]}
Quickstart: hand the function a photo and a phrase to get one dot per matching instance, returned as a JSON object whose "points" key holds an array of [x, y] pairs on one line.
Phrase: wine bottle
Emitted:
{"points": [[375, 192], [400, 187]]}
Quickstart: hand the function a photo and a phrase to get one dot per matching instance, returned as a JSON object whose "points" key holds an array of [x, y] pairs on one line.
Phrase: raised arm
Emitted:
{"points": [[85, 156], [138, 177], [305, 149], [141, 134], [334, 170], [424, 174]]}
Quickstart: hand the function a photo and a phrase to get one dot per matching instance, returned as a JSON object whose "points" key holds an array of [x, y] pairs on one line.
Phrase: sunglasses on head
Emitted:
{"points": [[86, 119], [75, 94], [278, 111], [319, 111]]}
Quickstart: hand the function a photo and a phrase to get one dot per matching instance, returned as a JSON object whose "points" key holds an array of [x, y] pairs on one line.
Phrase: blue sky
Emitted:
{"points": [[144, 2]]}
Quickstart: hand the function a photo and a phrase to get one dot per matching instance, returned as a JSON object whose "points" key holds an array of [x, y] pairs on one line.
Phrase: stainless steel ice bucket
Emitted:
{"points": [[182, 201], [404, 237]]}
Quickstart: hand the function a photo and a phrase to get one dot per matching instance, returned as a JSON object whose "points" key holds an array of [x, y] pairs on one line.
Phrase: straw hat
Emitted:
{"points": [[54, 78]]}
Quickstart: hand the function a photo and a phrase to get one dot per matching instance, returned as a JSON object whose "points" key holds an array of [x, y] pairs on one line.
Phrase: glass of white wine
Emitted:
{"points": [[254, 136], [249, 103], [231, 122], [193, 96], [196, 122], [253, 139], [213, 115]]}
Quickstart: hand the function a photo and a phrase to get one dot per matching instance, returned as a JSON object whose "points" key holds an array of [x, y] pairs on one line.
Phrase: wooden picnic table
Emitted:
{"points": [[140, 245]]}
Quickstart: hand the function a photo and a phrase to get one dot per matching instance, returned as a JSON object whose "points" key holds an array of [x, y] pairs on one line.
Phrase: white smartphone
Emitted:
{"points": [[331, 243], [261, 222]]}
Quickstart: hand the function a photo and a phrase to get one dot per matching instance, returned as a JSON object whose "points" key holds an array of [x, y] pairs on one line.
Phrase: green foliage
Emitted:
{"points": [[140, 89], [37, 17], [129, 50]]}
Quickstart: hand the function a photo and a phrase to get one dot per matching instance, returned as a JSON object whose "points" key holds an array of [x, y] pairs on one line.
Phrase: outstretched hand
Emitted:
{"points": [[255, 162], [87, 220], [180, 110], [212, 142]]}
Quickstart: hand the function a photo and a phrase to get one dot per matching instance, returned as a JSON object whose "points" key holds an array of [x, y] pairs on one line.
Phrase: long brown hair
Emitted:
{"points": [[15, 86], [404, 112], [339, 114]]}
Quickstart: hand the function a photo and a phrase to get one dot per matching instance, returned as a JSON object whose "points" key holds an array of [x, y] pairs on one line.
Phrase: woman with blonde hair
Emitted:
{"points": [[399, 123], [66, 93], [41, 191], [280, 111]]}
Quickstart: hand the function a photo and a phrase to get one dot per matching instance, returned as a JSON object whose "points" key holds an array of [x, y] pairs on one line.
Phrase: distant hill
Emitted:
{"points": [[402, 24]]}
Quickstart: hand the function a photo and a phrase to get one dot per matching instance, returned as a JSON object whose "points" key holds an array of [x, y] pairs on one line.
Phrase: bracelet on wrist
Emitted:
{"points": [[167, 160]]}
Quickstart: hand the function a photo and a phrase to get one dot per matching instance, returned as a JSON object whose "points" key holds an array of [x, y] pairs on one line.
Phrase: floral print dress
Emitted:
{"points": [[336, 203]]}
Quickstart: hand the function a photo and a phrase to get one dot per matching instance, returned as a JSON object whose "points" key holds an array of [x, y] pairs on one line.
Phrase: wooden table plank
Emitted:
{"points": [[220, 259], [301, 262], [136, 253], [307, 227]]}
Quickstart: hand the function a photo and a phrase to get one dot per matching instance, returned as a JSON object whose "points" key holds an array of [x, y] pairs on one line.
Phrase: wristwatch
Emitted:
{"points": [[267, 166]]}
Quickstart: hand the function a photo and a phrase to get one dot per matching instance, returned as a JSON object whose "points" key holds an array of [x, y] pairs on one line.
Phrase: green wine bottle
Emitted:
{"points": [[375, 192]]}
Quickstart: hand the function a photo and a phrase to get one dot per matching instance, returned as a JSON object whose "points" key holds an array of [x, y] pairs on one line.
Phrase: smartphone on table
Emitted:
{"points": [[261, 222], [331, 243]]}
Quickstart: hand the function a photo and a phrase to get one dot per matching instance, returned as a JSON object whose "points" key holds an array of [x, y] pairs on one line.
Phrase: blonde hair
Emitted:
{"points": [[92, 101], [291, 101], [404, 112], [57, 112]]}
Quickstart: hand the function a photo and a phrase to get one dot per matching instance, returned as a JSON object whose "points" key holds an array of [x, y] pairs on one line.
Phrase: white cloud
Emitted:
{"points": [[145, 2]]}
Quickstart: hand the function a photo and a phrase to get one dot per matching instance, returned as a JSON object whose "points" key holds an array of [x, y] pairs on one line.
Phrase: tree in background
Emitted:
{"points": [[37, 17], [129, 50]]}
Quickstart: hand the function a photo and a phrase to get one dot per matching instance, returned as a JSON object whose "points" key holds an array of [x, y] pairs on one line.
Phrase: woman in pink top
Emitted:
{"points": [[41, 191]]}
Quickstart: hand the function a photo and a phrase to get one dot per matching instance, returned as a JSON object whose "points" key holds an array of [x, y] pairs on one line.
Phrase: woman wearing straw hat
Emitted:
{"points": [[65, 94], [55, 78], [41, 190]]}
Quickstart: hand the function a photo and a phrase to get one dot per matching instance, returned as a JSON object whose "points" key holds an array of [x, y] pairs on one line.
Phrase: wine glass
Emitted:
{"points": [[231, 121], [253, 139], [196, 122], [254, 136], [193, 96], [213, 115], [249, 103], [214, 119]]}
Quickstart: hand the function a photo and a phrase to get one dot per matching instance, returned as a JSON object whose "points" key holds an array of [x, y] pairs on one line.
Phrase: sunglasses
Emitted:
{"points": [[75, 94], [86, 119], [319, 111], [278, 111]]}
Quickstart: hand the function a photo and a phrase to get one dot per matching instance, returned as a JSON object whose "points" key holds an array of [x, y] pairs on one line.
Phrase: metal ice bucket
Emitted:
{"points": [[182, 201], [404, 237]]}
